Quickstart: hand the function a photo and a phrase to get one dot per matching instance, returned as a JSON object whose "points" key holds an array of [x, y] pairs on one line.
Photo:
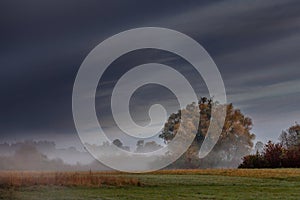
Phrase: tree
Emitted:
{"points": [[119, 144], [235, 140], [290, 138], [143, 147], [253, 161], [139, 145], [273, 154], [259, 147]]}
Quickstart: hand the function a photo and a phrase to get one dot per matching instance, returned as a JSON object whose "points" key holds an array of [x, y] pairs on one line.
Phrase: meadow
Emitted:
{"points": [[166, 184]]}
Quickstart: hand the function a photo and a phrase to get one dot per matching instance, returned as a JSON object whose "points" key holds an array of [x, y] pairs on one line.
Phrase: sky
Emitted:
{"points": [[255, 45]]}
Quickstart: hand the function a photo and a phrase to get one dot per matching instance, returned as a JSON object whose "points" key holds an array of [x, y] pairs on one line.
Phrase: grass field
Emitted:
{"points": [[171, 184]]}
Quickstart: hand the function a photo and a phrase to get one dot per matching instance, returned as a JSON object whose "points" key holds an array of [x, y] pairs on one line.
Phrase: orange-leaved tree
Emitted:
{"points": [[235, 141]]}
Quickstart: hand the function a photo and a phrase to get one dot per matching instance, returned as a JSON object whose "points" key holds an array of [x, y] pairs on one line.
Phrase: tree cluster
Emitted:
{"points": [[286, 153]]}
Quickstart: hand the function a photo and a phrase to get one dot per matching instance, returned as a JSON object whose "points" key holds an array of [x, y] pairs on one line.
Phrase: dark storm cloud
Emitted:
{"points": [[254, 44]]}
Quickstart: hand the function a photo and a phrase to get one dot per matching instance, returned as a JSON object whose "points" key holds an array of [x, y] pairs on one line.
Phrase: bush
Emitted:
{"points": [[254, 161], [273, 156]]}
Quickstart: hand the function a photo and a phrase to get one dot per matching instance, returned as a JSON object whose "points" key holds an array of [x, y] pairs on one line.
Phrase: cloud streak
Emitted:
{"points": [[254, 44]]}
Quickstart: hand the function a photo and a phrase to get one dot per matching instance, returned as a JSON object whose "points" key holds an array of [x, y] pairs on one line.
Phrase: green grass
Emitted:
{"points": [[191, 185]]}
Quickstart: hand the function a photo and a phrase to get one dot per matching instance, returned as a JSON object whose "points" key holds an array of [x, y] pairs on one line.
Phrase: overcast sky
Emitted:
{"points": [[255, 45]]}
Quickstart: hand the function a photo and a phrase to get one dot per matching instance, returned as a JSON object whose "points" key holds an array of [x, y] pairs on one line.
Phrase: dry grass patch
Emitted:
{"points": [[256, 173], [17, 179]]}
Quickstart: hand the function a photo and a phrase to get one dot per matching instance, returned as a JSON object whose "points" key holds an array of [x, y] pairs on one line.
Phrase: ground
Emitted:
{"points": [[178, 184]]}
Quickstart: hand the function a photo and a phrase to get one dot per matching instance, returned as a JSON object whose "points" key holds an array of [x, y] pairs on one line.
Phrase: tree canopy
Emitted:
{"points": [[234, 142]]}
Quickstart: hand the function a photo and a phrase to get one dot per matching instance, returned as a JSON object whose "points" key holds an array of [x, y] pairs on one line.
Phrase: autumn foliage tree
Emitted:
{"points": [[234, 142], [273, 154]]}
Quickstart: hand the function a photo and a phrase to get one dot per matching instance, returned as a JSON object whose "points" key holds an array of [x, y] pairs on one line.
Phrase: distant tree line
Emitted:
{"points": [[285, 153], [28, 156]]}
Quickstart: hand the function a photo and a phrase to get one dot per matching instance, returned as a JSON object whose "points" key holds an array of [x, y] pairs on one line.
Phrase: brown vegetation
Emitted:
{"points": [[284, 154], [17, 179], [256, 173], [97, 179]]}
